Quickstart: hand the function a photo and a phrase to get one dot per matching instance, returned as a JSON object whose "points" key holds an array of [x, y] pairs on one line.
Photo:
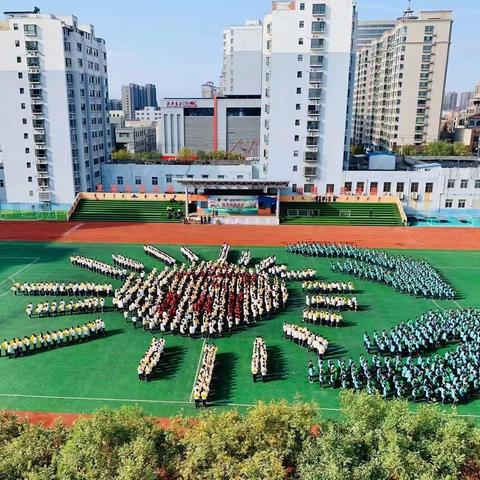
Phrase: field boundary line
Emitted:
{"points": [[440, 307], [198, 369], [459, 306], [36, 259]]}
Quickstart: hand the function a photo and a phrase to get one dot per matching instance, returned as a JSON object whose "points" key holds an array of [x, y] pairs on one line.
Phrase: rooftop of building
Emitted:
{"points": [[421, 162]]}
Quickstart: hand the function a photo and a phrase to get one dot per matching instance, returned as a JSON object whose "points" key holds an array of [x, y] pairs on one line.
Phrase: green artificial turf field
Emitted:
{"points": [[84, 377]]}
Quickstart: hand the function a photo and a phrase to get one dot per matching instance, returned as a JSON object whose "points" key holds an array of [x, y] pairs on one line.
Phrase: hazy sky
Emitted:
{"points": [[177, 44]]}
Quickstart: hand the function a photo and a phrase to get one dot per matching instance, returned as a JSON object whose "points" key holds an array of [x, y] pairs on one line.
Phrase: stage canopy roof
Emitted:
{"points": [[221, 184]]}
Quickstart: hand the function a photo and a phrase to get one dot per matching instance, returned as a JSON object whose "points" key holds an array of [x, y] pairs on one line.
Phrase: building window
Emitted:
{"points": [[296, 138], [302, 6], [308, 187], [414, 187], [429, 29], [294, 187], [23, 106], [119, 180], [387, 186], [15, 26], [30, 179], [17, 43], [461, 203], [360, 186], [300, 42], [318, 27], [24, 121], [20, 75], [448, 203], [319, 9], [477, 183], [1, 183], [299, 90], [295, 153], [25, 136], [19, 59], [297, 122], [138, 180], [298, 106], [29, 164], [239, 177], [451, 183], [27, 150], [299, 74], [295, 168], [301, 24], [463, 183], [300, 57], [154, 180], [429, 187]]}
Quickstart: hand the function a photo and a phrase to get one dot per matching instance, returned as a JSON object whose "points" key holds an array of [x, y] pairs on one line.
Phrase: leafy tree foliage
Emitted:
{"points": [[372, 440], [440, 148], [376, 439]]}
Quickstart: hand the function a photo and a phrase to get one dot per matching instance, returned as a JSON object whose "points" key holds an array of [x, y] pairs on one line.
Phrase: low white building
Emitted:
{"points": [[443, 186], [150, 114], [136, 136], [164, 177]]}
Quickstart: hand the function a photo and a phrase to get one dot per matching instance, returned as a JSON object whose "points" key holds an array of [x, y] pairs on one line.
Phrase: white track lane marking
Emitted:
{"points": [[437, 305], [68, 232]]}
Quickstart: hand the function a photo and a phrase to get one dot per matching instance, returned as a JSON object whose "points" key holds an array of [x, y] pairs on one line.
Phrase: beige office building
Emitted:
{"points": [[400, 82]]}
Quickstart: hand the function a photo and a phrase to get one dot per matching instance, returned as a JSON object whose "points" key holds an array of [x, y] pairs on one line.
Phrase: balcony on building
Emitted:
{"points": [[39, 139], [316, 61], [39, 124], [40, 154], [311, 157], [314, 93], [316, 77], [317, 44], [37, 110], [310, 171], [313, 126], [34, 78], [313, 110], [319, 9], [36, 93]]}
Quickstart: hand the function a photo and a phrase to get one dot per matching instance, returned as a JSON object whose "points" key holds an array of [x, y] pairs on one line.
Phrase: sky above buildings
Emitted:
{"points": [[178, 44]]}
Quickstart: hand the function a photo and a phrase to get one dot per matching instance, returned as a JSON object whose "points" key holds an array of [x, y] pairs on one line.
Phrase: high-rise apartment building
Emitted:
{"points": [[369, 30], [115, 104], [137, 97], [242, 59], [306, 84], [150, 95], [400, 81], [450, 101], [464, 100], [473, 107], [54, 130]]}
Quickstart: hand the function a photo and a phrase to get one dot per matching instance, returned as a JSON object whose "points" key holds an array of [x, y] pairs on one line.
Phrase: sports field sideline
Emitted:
{"points": [[83, 377]]}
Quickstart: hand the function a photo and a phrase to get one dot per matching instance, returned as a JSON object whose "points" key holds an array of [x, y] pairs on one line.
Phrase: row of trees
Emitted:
{"points": [[183, 154], [440, 148], [372, 440]]}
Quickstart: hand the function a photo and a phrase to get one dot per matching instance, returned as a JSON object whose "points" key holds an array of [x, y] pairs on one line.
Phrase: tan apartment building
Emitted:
{"points": [[400, 82]]}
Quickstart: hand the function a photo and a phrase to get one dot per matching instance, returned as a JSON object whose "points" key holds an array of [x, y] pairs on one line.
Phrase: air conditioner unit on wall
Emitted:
{"points": [[414, 196], [401, 195]]}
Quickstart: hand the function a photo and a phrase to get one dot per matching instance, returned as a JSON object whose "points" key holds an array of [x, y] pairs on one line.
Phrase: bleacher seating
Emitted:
{"points": [[340, 213], [125, 211]]}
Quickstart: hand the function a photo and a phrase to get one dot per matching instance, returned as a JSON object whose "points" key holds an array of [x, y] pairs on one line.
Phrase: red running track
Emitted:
{"points": [[248, 235]]}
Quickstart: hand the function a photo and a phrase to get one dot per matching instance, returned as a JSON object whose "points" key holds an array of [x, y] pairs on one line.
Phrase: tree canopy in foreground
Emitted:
{"points": [[373, 439]]}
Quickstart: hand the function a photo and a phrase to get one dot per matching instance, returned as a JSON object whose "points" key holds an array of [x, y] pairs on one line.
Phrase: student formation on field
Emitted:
{"points": [[402, 273], [210, 299], [20, 346]]}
